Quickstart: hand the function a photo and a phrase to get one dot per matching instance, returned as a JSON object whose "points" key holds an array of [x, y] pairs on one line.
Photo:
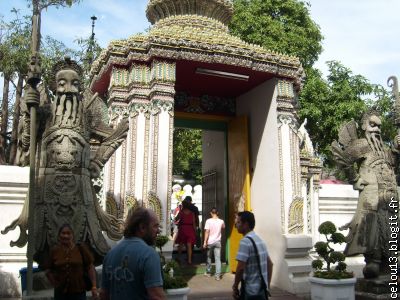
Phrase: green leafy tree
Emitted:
{"points": [[283, 26], [187, 154], [88, 50], [14, 50], [286, 26], [328, 103]]}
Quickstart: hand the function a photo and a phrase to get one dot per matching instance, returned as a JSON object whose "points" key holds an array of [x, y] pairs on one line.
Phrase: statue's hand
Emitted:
{"points": [[360, 184], [32, 97], [345, 227], [94, 169]]}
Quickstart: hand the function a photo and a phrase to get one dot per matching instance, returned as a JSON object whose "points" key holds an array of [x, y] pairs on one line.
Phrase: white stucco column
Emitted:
{"points": [[159, 169]]}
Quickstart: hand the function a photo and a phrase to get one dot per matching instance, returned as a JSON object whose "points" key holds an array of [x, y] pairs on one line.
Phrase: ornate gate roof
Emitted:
{"points": [[194, 31]]}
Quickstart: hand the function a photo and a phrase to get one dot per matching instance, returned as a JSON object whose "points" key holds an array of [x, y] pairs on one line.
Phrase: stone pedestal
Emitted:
{"points": [[368, 289], [296, 266]]}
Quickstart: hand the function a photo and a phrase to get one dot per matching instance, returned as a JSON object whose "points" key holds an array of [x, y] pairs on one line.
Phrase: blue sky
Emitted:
{"points": [[363, 35]]}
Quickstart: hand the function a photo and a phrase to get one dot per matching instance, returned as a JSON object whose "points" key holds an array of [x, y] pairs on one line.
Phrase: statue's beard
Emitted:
{"points": [[67, 110], [375, 141]]}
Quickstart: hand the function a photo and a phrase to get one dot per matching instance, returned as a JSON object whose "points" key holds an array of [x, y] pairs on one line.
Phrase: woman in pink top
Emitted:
{"points": [[186, 230], [212, 241]]}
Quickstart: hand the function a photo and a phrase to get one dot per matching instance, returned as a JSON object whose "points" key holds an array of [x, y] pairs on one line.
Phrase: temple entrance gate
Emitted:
{"points": [[188, 64]]}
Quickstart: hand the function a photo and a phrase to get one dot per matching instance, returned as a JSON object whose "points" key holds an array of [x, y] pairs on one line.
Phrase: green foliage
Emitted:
{"points": [[187, 153], [171, 269], [89, 50], [328, 103], [172, 264], [336, 256], [317, 264], [53, 51], [338, 238], [161, 240], [327, 228], [43, 4], [14, 45], [341, 266], [329, 255], [333, 274], [283, 26], [321, 248], [175, 282]]}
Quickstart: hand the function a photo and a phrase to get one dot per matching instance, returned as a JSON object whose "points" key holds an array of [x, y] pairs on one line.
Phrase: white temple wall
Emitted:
{"points": [[260, 106], [337, 203], [163, 161], [140, 144]]}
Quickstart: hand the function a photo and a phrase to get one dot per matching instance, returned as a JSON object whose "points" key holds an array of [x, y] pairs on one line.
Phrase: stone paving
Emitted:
{"points": [[202, 287], [207, 288]]}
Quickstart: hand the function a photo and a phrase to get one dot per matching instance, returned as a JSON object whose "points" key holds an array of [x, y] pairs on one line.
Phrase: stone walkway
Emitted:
{"points": [[202, 287], [206, 288]]}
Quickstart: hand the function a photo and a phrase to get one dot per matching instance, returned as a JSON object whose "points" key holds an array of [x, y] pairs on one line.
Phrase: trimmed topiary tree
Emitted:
{"points": [[334, 260]]}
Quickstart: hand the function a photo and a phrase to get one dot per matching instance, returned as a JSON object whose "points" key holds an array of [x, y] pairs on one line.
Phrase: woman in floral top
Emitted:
{"points": [[66, 267]]}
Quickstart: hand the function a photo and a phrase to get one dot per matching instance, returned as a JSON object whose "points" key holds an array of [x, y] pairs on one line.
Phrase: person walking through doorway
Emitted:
{"points": [[212, 242], [196, 212], [186, 230], [252, 272]]}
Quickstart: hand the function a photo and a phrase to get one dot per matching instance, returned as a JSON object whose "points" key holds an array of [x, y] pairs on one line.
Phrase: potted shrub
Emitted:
{"points": [[333, 281], [175, 286]]}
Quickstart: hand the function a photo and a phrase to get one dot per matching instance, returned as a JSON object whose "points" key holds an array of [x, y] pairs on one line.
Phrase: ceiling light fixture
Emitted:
{"points": [[222, 74]]}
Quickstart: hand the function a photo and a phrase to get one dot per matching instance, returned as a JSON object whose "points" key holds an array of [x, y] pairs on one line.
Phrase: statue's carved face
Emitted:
{"points": [[372, 125], [67, 105], [68, 82]]}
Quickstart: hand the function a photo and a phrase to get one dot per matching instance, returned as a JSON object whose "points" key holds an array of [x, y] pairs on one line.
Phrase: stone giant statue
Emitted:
{"points": [[66, 164], [370, 166]]}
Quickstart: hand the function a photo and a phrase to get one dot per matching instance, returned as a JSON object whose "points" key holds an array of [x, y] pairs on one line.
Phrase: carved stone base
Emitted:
{"points": [[368, 289]]}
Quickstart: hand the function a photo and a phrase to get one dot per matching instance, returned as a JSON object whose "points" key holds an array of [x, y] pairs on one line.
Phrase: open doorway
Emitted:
{"points": [[200, 168]]}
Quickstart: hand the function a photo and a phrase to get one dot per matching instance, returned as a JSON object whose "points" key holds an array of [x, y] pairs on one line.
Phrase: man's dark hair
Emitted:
{"points": [[185, 204], [247, 217], [134, 219], [214, 211]]}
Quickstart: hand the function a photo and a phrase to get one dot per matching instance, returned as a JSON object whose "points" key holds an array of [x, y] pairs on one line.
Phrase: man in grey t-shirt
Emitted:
{"points": [[132, 269], [247, 268]]}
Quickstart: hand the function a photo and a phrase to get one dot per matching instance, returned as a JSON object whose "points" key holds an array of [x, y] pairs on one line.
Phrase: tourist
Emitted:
{"points": [[248, 269], [193, 208], [132, 269], [186, 230], [196, 212], [212, 242], [66, 267]]}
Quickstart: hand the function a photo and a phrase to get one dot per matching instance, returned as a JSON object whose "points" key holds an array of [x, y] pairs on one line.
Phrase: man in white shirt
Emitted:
{"points": [[212, 242]]}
